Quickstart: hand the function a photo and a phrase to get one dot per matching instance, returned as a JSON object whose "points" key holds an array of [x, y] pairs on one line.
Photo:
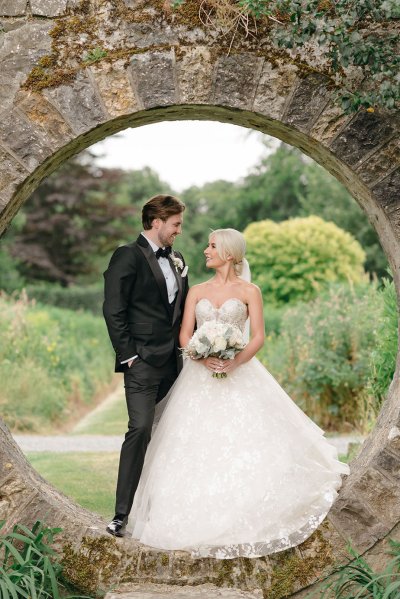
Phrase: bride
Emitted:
{"points": [[234, 468]]}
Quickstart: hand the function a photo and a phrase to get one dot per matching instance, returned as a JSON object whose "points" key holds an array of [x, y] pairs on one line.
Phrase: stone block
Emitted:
{"points": [[307, 102], [356, 521], [275, 85], [236, 80], [43, 114], [329, 123], [78, 103], [19, 53], [194, 68], [147, 35], [383, 161], [12, 8], [115, 88], [18, 135], [11, 173], [389, 464], [386, 193], [202, 591], [184, 567], [153, 74], [48, 8], [153, 564], [376, 489], [365, 132]]}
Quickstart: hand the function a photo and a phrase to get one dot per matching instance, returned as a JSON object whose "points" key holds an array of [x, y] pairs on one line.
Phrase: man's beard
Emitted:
{"points": [[166, 241]]}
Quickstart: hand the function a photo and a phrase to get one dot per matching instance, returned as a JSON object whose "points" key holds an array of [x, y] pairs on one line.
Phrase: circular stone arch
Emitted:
{"points": [[174, 71]]}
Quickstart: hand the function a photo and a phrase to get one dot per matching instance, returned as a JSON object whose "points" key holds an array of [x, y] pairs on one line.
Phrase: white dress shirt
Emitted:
{"points": [[172, 285]]}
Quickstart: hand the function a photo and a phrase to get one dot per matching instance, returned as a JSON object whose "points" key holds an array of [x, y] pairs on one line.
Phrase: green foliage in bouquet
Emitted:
{"points": [[298, 258], [322, 356], [29, 568]]}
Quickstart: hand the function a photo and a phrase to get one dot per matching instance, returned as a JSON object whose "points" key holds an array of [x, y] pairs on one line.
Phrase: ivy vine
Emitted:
{"points": [[355, 37]]}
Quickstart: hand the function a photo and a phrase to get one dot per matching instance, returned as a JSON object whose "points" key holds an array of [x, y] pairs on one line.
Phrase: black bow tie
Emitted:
{"points": [[163, 252]]}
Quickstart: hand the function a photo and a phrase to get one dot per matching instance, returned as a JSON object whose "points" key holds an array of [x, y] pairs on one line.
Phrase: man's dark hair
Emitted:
{"points": [[161, 206]]}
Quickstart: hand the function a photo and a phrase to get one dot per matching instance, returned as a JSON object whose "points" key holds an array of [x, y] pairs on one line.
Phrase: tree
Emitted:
{"points": [[329, 199], [274, 189], [211, 206], [287, 184], [135, 189], [297, 258], [71, 220]]}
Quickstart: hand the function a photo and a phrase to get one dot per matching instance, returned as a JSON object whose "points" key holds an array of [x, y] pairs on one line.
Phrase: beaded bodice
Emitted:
{"points": [[232, 310]]}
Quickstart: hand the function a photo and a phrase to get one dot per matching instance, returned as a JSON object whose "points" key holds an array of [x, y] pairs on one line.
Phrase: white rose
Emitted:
{"points": [[235, 338], [200, 347], [219, 344]]}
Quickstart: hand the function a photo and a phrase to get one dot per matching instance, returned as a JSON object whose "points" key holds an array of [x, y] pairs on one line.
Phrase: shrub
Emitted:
{"points": [[298, 258], [85, 297], [51, 359], [384, 354], [322, 356], [10, 278]]}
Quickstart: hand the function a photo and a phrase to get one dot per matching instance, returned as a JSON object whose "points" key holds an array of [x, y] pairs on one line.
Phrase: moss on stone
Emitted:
{"points": [[294, 569], [40, 78], [85, 27], [91, 565], [165, 559], [188, 14]]}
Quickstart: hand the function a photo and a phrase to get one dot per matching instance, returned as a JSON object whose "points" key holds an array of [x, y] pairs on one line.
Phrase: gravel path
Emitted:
{"points": [[102, 443]]}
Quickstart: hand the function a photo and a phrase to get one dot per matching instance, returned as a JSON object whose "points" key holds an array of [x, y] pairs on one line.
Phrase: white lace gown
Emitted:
{"points": [[234, 467]]}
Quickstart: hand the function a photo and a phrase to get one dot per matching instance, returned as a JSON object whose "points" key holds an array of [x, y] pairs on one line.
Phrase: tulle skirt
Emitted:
{"points": [[234, 468]]}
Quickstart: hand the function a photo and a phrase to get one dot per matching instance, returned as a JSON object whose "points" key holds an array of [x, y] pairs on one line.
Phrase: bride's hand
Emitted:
{"points": [[229, 365], [214, 364]]}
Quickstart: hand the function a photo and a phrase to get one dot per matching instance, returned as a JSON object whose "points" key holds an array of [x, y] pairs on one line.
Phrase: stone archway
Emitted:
{"points": [[162, 68]]}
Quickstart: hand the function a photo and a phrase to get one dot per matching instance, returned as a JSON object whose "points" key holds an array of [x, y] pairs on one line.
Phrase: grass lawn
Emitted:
{"points": [[88, 478], [110, 419]]}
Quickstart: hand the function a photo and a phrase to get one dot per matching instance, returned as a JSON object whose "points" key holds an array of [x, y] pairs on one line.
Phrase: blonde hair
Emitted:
{"points": [[230, 242]]}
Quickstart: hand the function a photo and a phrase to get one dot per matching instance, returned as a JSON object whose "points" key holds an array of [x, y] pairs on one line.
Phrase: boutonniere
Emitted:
{"points": [[177, 262]]}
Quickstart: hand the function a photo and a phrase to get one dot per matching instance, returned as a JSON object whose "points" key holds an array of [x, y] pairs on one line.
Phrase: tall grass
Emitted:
{"points": [[51, 360], [29, 567], [358, 580], [326, 352]]}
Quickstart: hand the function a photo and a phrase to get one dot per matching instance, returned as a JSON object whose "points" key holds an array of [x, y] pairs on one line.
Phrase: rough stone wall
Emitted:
{"points": [[57, 98]]}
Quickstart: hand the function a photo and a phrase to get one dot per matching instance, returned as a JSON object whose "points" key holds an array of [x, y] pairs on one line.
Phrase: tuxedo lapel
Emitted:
{"points": [[179, 294], [150, 256]]}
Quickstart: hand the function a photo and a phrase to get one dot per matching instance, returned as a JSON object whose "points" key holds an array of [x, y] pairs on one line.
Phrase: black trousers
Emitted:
{"points": [[145, 385]]}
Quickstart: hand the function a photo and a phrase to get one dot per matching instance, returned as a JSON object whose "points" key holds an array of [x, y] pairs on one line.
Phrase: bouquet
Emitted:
{"points": [[217, 339]]}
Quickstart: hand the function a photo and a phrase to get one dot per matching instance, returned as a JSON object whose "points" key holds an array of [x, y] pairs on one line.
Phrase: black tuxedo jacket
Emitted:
{"points": [[136, 309]]}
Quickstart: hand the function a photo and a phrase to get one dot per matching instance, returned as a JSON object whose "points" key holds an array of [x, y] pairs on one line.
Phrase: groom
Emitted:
{"points": [[145, 291]]}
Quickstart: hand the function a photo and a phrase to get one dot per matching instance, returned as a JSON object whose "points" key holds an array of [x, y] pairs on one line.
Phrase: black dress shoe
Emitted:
{"points": [[117, 526]]}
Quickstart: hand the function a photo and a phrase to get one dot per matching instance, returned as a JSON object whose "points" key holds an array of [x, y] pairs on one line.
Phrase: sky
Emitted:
{"points": [[185, 153]]}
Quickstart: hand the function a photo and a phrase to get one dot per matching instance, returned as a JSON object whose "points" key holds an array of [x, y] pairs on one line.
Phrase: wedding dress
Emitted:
{"points": [[234, 467]]}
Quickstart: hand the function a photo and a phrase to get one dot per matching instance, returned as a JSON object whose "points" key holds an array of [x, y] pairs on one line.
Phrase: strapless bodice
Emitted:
{"points": [[233, 311]]}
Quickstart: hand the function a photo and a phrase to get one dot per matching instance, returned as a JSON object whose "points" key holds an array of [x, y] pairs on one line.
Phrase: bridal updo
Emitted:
{"points": [[230, 242]]}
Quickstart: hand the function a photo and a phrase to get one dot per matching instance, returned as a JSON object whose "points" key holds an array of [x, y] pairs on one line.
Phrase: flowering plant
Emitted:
{"points": [[177, 262], [217, 339]]}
